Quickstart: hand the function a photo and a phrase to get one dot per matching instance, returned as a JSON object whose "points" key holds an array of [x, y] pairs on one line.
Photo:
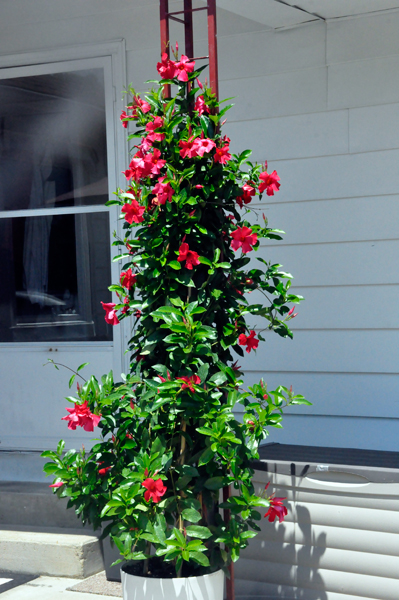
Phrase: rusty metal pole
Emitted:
{"points": [[230, 593], [188, 28], [164, 19], [213, 48]]}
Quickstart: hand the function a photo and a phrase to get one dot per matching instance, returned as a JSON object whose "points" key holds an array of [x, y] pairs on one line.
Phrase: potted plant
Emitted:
{"points": [[171, 436]]}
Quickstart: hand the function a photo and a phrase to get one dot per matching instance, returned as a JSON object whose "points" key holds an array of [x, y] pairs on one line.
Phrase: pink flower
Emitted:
{"points": [[154, 162], [125, 309], [155, 489], [128, 279], [122, 117], [133, 212], [189, 382], [249, 341], [110, 316], [162, 191], [167, 68], [183, 67], [222, 154], [276, 509], [58, 484], [81, 416], [269, 183], [188, 148], [247, 193], [202, 145], [154, 136], [139, 104], [189, 256], [200, 106], [243, 238]]}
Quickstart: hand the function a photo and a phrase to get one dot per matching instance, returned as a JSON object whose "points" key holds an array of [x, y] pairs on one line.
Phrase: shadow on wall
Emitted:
{"points": [[312, 549]]}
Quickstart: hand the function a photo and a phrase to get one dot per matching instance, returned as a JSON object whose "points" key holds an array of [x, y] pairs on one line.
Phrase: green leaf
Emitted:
{"points": [[60, 447], [214, 483], [200, 558], [192, 515], [174, 264], [179, 537], [206, 456], [82, 366], [197, 531]]}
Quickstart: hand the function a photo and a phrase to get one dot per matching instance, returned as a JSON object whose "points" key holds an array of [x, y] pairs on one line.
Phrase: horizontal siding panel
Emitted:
{"points": [[363, 82], [348, 219], [358, 263], [301, 136], [298, 48], [327, 351], [337, 177], [369, 36], [346, 307], [311, 555], [374, 128], [346, 394], [255, 590], [280, 94], [337, 432], [358, 542]]}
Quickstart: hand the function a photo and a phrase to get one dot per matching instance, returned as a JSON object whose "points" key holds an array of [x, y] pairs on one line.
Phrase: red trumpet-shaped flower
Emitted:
{"points": [[110, 316], [189, 382], [276, 509], [191, 257], [183, 67], [243, 238], [222, 155], [162, 191], [247, 194], [269, 183], [57, 484], [133, 212], [249, 341], [128, 279], [155, 489], [153, 134], [166, 68], [80, 415], [200, 106]]}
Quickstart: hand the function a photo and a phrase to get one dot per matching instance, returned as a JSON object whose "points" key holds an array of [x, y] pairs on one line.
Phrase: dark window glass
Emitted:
{"points": [[54, 273], [53, 149]]}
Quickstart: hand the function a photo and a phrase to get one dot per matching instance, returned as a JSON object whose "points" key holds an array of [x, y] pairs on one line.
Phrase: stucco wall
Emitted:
{"points": [[320, 102]]}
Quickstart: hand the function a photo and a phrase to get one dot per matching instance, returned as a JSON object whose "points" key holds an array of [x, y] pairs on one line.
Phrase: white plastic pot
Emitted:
{"points": [[204, 587]]}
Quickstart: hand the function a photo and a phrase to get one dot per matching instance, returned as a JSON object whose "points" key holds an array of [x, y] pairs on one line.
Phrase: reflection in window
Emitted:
{"points": [[54, 273], [53, 141]]}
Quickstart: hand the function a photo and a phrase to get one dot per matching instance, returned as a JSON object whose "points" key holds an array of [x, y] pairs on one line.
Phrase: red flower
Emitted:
{"points": [[162, 191], [137, 314], [128, 279], [80, 415], [247, 193], [129, 436], [57, 485], [166, 68], [189, 382], [110, 315], [276, 509], [269, 183], [154, 162], [243, 238], [154, 136], [188, 149], [139, 104], [222, 154], [249, 341], [183, 67], [155, 489], [104, 470], [125, 309], [133, 212], [189, 256], [200, 106], [202, 145], [122, 117]]}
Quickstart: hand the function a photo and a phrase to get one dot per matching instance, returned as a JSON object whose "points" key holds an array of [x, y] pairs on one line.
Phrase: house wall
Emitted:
{"points": [[320, 102]]}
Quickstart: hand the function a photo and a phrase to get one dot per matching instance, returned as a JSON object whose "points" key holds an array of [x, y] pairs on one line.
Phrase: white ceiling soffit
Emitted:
{"points": [[270, 12], [332, 9]]}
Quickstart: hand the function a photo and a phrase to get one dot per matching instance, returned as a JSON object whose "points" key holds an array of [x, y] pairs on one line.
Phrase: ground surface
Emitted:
{"points": [[25, 587]]}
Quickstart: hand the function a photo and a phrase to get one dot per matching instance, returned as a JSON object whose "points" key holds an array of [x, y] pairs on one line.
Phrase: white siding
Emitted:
{"points": [[321, 103]]}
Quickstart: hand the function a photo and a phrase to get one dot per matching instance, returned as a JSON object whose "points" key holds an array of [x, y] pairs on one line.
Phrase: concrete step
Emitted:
{"points": [[34, 503], [57, 552]]}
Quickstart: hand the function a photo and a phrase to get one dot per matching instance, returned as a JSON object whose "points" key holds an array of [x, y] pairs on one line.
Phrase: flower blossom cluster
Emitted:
{"points": [[80, 415]]}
